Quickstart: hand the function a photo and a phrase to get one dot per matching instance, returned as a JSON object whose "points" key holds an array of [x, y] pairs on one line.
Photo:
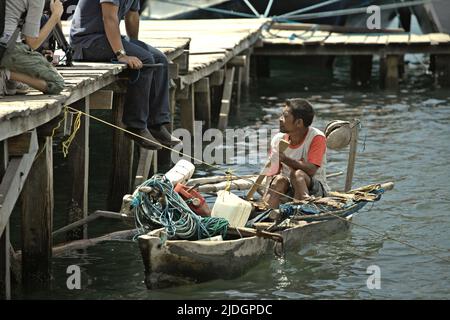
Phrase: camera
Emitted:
{"points": [[56, 38]]}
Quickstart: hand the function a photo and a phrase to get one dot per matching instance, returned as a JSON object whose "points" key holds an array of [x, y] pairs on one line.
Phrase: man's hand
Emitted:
{"points": [[132, 62], [276, 157], [56, 8]]}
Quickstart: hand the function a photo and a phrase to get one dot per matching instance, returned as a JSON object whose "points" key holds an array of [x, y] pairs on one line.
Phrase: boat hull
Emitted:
{"points": [[184, 262]]}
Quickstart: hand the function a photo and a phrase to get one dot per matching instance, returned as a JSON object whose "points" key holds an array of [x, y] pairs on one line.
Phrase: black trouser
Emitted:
{"points": [[147, 100]]}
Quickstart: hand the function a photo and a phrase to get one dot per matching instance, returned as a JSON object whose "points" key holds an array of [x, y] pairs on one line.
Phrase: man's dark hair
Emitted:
{"points": [[301, 109]]}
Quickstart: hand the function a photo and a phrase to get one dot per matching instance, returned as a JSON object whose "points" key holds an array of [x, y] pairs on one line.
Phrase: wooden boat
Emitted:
{"points": [[177, 262]]}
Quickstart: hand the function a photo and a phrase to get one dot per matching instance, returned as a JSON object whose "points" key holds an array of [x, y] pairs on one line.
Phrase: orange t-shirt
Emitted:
{"points": [[317, 150]]}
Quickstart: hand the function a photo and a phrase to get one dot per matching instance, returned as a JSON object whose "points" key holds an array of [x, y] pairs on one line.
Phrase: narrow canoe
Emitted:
{"points": [[179, 262]]}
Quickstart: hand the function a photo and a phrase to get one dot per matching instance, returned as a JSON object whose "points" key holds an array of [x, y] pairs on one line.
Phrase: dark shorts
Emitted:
{"points": [[316, 189]]}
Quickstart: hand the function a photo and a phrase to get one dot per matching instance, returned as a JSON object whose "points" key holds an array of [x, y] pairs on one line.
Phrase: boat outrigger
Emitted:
{"points": [[177, 262], [182, 241]]}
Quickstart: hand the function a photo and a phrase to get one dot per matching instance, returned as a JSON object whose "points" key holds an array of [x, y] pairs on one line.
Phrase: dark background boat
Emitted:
{"points": [[432, 17]]}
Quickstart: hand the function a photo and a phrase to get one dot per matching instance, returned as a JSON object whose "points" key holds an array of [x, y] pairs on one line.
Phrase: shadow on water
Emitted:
{"points": [[402, 139]]}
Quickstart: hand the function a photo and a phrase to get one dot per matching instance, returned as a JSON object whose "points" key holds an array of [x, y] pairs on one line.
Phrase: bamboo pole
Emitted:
{"points": [[97, 214], [86, 243], [5, 276], [216, 179], [217, 183], [352, 155]]}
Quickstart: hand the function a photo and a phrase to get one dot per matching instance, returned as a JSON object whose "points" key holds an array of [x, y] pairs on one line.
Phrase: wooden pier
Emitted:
{"points": [[313, 40], [204, 55]]}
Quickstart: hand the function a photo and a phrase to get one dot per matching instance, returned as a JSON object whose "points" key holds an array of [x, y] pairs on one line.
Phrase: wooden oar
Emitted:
{"points": [[250, 232], [282, 146]]}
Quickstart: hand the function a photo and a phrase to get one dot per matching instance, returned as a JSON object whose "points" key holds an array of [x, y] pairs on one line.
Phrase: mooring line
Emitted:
{"points": [[228, 173]]}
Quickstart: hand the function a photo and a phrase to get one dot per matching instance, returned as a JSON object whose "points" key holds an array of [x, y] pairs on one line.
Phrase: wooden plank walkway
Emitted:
{"points": [[213, 42], [201, 53], [279, 41]]}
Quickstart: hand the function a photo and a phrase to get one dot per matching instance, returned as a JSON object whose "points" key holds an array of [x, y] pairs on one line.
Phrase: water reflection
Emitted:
{"points": [[403, 139]]}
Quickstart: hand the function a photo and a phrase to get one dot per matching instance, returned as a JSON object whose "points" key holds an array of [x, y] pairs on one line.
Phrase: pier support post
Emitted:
{"points": [[187, 109], [183, 62], [442, 69], [216, 90], [226, 99], [5, 263], [389, 71], [5, 266], [147, 159], [246, 69], [239, 62], [37, 220], [162, 157], [78, 163], [203, 102], [121, 179], [361, 69]]}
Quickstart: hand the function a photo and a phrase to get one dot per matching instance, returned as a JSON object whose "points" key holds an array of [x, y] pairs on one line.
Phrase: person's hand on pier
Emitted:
{"points": [[132, 62], [56, 8]]}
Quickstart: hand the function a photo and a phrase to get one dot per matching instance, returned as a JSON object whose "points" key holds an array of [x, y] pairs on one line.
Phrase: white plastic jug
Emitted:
{"points": [[231, 207], [181, 172]]}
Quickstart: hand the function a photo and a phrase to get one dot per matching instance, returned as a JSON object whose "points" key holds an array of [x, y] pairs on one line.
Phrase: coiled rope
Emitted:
{"points": [[156, 202]]}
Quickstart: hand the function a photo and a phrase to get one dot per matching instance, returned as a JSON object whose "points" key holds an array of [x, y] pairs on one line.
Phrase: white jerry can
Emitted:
{"points": [[181, 172], [231, 207]]}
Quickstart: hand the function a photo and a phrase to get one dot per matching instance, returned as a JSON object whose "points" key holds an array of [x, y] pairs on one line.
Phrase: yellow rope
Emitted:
{"points": [[426, 252], [59, 123], [53, 132], [76, 126]]}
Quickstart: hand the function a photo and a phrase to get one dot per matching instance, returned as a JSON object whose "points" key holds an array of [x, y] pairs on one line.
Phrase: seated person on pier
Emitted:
{"points": [[20, 62], [95, 36], [302, 173]]}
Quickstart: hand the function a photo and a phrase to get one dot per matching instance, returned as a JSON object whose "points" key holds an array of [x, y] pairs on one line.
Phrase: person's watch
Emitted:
{"points": [[120, 53]]}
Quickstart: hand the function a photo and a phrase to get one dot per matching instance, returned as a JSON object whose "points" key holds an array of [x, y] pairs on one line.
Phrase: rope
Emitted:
{"points": [[261, 185], [229, 174], [53, 133], [77, 124], [156, 202]]}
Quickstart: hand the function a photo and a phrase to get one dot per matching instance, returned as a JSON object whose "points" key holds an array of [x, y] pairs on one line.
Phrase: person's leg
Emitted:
{"points": [[136, 109], [316, 188], [33, 68], [138, 91], [278, 187], [159, 115], [35, 83], [300, 182], [159, 91]]}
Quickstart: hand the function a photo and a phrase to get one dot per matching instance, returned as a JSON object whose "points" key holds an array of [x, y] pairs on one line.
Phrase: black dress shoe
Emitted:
{"points": [[143, 139], [163, 135]]}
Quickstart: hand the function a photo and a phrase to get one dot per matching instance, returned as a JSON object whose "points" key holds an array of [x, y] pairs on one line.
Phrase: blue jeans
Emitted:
{"points": [[147, 99]]}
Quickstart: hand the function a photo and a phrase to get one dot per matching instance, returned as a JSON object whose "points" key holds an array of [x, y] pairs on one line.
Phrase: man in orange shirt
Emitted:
{"points": [[302, 172]]}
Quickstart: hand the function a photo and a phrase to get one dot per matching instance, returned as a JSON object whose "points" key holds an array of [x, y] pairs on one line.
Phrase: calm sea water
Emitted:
{"points": [[404, 138]]}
